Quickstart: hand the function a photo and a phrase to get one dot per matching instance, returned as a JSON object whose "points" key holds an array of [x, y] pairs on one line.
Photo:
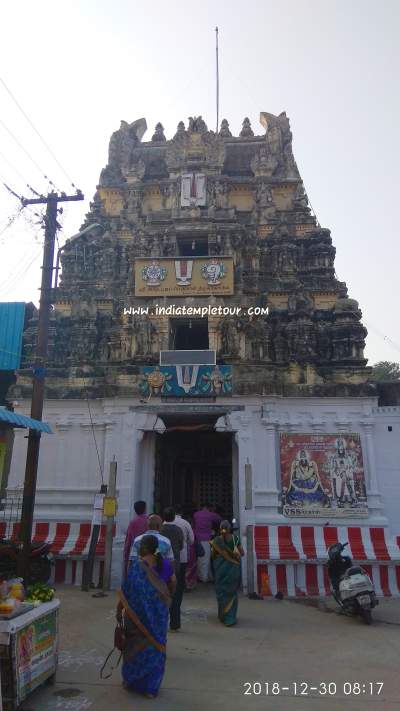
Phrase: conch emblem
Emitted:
{"points": [[213, 272], [153, 274]]}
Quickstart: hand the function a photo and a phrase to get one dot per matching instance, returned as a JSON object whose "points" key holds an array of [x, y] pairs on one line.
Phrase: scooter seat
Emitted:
{"points": [[354, 570]]}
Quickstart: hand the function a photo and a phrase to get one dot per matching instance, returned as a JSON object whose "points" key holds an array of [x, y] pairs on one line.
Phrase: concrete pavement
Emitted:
{"points": [[209, 665]]}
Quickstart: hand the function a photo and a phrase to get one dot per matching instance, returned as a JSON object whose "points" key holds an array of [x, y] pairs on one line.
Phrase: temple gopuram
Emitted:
{"points": [[201, 338]]}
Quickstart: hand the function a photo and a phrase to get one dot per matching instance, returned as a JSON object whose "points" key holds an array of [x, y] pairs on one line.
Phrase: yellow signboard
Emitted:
{"points": [[109, 506], [197, 276]]}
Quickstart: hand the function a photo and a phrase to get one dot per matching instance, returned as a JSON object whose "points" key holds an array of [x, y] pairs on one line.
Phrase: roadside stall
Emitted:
{"points": [[28, 651], [28, 617]]}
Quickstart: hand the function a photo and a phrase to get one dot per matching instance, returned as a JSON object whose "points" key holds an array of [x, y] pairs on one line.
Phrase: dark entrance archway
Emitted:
{"points": [[192, 467]]}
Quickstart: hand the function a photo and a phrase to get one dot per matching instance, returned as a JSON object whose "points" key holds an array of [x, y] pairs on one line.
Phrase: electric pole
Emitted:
{"points": [[32, 455]]}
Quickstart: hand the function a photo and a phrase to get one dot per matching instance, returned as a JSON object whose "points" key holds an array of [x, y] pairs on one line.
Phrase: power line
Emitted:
{"points": [[37, 166], [382, 335], [14, 278], [37, 133], [21, 177], [93, 432]]}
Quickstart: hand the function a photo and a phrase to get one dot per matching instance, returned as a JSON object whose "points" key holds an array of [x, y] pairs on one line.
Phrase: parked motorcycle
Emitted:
{"points": [[351, 585], [39, 566]]}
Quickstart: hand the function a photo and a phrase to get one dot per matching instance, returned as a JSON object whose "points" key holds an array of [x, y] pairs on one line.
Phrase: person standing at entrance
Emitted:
{"points": [[226, 551], [188, 540], [174, 534], [137, 526], [205, 522]]}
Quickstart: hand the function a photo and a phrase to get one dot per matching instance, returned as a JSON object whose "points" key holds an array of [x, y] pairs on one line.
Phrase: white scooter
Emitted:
{"points": [[351, 585]]}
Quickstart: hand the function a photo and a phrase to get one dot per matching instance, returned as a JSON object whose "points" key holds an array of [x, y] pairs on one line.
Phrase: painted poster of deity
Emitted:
{"points": [[322, 475]]}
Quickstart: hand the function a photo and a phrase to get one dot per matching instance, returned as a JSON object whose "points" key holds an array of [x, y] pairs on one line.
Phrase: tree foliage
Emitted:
{"points": [[385, 370]]}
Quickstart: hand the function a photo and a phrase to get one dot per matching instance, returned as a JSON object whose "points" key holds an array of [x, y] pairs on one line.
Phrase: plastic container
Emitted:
{"points": [[17, 591], [8, 606]]}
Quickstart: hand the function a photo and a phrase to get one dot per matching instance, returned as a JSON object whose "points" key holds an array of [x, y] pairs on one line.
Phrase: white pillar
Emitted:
{"points": [[375, 506], [245, 443], [269, 494]]}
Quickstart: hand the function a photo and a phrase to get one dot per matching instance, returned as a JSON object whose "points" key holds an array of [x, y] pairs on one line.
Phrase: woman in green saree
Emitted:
{"points": [[226, 552]]}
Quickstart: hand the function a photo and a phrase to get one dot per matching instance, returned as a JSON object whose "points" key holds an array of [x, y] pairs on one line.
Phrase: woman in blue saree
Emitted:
{"points": [[226, 552], [143, 607]]}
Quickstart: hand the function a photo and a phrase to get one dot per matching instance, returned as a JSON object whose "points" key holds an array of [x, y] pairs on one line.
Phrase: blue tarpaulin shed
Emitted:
{"points": [[15, 420], [12, 315]]}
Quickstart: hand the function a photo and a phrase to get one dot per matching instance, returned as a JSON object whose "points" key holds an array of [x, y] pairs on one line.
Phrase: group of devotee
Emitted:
{"points": [[163, 558]]}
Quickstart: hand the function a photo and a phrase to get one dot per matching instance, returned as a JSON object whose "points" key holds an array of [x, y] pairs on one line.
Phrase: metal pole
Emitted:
{"points": [[88, 567], [112, 487], [217, 69], [32, 455]]}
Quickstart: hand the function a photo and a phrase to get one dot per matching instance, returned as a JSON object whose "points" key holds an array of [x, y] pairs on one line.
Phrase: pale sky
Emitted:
{"points": [[78, 68]]}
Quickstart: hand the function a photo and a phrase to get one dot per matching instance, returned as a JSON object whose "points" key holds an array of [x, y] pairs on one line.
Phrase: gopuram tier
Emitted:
{"points": [[204, 220]]}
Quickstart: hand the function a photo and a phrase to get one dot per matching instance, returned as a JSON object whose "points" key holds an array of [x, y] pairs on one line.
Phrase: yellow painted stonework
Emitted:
{"points": [[241, 198], [279, 301], [106, 305], [152, 200], [124, 235], [304, 229], [112, 200], [282, 196], [264, 231], [63, 307], [324, 300]]}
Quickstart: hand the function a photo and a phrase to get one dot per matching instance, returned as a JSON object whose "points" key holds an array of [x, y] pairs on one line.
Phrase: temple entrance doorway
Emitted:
{"points": [[194, 467]]}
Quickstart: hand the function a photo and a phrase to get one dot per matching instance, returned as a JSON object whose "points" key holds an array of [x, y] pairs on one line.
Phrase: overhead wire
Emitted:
{"points": [[11, 220], [93, 432], [37, 133], [26, 263], [383, 336], [35, 163], [21, 177]]}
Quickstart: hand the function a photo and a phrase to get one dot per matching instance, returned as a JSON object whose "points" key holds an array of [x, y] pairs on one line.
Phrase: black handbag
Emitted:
{"points": [[119, 644], [119, 637]]}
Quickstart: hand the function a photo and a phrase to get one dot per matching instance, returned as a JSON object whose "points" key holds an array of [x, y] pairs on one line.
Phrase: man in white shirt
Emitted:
{"points": [[188, 539], [154, 524]]}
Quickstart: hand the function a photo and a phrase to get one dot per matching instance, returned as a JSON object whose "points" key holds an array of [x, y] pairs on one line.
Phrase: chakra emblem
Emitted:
{"points": [[213, 272], [153, 274]]}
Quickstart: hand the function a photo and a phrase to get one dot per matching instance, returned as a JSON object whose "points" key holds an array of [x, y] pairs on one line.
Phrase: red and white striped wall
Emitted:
{"points": [[69, 544], [294, 557]]}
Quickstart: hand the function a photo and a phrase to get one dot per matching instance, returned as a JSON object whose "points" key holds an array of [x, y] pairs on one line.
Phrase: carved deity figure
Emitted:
{"points": [[229, 337], [180, 132], [197, 125], [221, 194], [300, 198], [224, 130], [247, 130], [264, 195], [158, 136]]}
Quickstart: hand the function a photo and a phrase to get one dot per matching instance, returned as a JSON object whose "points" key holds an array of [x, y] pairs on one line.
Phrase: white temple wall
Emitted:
{"points": [[69, 473], [388, 462]]}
